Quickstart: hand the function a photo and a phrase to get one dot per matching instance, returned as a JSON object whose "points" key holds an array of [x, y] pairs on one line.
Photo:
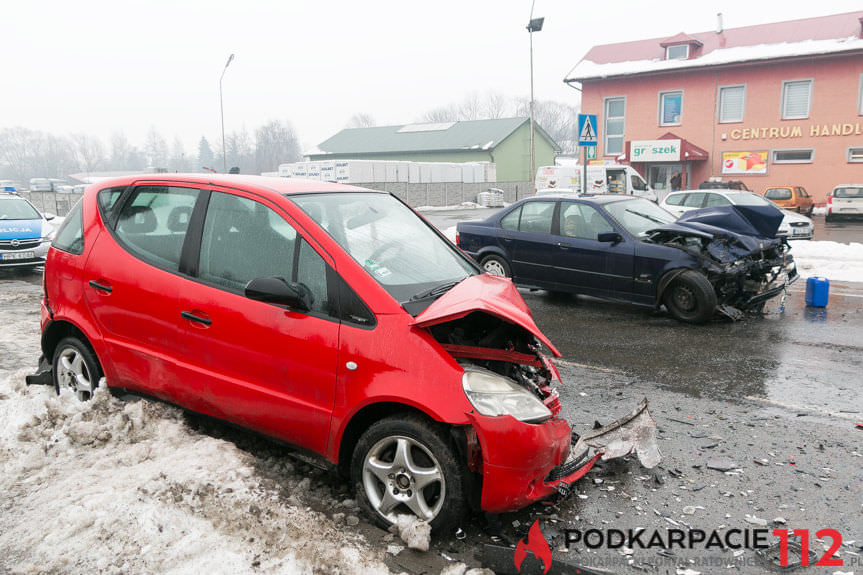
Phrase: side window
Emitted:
{"points": [[244, 239], [694, 200], [536, 217], [108, 198], [638, 184], [70, 236], [153, 223], [510, 221], [803, 193], [582, 221], [717, 200], [675, 199]]}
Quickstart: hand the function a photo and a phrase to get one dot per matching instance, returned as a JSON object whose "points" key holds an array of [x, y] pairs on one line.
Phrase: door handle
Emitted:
{"points": [[564, 245], [197, 319], [101, 287]]}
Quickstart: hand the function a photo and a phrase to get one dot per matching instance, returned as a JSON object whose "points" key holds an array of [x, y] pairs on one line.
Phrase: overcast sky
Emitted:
{"points": [[100, 66]]}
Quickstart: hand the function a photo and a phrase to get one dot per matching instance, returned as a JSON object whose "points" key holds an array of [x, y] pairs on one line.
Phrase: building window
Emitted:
{"points": [[670, 108], [679, 52], [732, 103], [796, 99], [860, 97], [798, 156], [855, 155], [615, 115]]}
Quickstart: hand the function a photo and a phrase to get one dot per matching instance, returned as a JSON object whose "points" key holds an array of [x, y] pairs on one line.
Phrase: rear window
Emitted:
{"points": [[674, 199], [778, 194], [848, 192]]}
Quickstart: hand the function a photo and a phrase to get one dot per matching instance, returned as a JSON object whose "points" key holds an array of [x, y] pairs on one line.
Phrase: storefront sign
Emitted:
{"points": [[745, 163], [811, 130], [655, 150]]}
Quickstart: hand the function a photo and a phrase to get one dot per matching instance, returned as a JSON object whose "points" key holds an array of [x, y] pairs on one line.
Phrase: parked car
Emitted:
{"points": [[723, 185], [794, 198], [845, 201], [557, 192], [330, 317], [629, 249], [25, 233], [795, 226]]}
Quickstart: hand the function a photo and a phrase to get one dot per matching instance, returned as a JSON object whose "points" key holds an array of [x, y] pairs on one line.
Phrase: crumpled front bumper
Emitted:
{"points": [[523, 463]]}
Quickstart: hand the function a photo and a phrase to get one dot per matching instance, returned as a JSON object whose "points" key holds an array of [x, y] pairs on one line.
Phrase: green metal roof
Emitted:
{"points": [[446, 136]]}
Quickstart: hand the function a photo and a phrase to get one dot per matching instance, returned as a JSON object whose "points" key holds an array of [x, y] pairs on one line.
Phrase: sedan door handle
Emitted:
{"points": [[101, 287], [197, 319], [564, 245]]}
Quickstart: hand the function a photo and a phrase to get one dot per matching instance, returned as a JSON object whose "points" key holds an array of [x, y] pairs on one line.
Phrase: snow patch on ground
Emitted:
{"points": [[414, 532], [450, 233], [461, 206], [832, 260], [822, 211], [111, 486]]}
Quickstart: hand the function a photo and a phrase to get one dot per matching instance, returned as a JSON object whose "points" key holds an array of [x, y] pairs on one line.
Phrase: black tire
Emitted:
{"points": [[828, 218], [429, 451], [76, 368], [690, 298], [496, 266], [811, 209]]}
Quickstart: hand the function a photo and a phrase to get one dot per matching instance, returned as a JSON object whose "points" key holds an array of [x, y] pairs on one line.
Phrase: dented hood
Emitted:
{"points": [[483, 293], [759, 221]]}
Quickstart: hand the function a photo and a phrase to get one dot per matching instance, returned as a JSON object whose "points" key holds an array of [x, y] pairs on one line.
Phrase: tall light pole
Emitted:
{"points": [[535, 25], [222, 109]]}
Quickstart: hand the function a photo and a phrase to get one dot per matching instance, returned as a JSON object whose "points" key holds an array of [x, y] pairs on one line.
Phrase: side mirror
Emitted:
{"points": [[278, 291], [610, 237], [49, 216]]}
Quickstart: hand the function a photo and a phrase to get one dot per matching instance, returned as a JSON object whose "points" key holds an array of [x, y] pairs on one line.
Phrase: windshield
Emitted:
{"points": [[17, 209], [394, 245], [639, 215], [746, 199]]}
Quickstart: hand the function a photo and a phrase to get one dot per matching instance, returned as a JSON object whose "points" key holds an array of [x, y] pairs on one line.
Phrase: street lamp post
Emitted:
{"points": [[535, 25], [222, 110]]}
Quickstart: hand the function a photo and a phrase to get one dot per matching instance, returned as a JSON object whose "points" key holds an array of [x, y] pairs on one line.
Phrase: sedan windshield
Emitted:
{"points": [[639, 215], [17, 209], [746, 199], [394, 245]]}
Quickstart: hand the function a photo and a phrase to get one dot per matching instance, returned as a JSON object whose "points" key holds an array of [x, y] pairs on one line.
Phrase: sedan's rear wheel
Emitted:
{"points": [[405, 465], [496, 266], [690, 298], [76, 368]]}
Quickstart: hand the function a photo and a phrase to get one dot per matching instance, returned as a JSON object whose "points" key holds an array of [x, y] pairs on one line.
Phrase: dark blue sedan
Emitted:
{"points": [[622, 248]]}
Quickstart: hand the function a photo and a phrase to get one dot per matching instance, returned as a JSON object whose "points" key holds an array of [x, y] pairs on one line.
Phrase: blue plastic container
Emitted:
{"points": [[817, 291]]}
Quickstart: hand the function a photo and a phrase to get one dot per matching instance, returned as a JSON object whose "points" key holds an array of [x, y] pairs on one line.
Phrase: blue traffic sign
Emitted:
{"points": [[587, 130]]}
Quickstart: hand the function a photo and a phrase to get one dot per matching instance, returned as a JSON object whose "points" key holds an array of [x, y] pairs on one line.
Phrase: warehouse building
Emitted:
{"points": [[773, 104], [504, 142]]}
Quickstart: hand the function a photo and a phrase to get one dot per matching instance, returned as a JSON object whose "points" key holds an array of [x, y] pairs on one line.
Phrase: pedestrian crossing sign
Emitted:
{"points": [[587, 134]]}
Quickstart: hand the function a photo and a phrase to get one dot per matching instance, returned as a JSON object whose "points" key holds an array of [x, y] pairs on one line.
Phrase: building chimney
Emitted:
{"points": [[719, 28]]}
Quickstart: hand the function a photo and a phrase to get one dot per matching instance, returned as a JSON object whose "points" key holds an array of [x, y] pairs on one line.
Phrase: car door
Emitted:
{"points": [[582, 262], [131, 283], [533, 246], [262, 365]]}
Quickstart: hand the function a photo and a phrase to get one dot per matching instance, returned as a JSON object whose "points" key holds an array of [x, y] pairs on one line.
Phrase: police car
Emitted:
{"points": [[25, 233]]}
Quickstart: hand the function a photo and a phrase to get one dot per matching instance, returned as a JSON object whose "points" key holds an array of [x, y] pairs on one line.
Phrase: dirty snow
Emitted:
{"points": [[128, 487], [461, 206], [414, 532], [833, 260]]}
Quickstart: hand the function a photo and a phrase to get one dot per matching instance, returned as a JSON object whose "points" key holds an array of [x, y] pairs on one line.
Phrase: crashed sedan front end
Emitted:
{"points": [[738, 251]]}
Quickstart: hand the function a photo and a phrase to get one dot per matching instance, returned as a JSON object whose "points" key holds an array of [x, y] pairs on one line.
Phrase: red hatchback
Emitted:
{"points": [[326, 316]]}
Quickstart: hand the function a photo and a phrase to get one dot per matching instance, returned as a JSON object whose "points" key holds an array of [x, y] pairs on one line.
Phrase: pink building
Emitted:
{"points": [[774, 104]]}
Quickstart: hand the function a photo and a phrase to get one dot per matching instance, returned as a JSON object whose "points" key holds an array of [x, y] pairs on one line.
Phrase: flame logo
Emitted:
{"points": [[537, 545]]}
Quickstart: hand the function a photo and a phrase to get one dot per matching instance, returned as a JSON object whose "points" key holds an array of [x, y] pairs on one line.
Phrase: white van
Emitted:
{"points": [[608, 179]]}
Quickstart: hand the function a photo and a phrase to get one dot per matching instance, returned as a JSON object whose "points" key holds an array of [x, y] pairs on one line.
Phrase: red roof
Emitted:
{"points": [[682, 38], [819, 28]]}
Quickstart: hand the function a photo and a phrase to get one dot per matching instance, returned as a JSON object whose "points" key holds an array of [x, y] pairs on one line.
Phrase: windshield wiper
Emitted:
{"points": [[647, 217], [436, 290]]}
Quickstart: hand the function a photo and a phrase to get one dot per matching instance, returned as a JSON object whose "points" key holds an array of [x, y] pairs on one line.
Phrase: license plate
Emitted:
{"points": [[17, 256], [797, 232]]}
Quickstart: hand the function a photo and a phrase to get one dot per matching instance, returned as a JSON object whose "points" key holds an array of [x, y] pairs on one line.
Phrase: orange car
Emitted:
{"points": [[793, 198]]}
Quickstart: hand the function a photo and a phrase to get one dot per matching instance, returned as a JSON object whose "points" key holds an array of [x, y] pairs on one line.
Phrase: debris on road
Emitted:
{"points": [[721, 464]]}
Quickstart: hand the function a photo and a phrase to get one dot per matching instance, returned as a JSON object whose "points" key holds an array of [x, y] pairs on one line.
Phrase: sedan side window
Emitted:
{"points": [[510, 221], [694, 200], [153, 223], [717, 200], [675, 199], [582, 221], [244, 240], [536, 217]]}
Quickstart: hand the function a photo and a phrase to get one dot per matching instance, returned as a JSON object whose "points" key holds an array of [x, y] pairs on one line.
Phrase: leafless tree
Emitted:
{"points": [[178, 162], [156, 149], [275, 143], [560, 121], [89, 152], [361, 120]]}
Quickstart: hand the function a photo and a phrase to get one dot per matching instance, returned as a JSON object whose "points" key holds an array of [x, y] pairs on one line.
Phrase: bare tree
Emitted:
{"points": [[89, 152], [275, 143], [156, 149], [361, 120], [448, 113], [560, 121], [120, 151], [178, 161]]}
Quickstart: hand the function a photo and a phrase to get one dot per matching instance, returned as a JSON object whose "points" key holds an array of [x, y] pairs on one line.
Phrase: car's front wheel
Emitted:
{"points": [[407, 465], [76, 368], [690, 298], [496, 266]]}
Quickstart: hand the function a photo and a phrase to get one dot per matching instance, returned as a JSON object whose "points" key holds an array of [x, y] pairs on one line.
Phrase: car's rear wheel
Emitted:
{"points": [[76, 368], [496, 266], [690, 298], [406, 465]]}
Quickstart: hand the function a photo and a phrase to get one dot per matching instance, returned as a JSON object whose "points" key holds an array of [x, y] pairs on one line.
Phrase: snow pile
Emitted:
{"points": [[414, 532], [111, 486], [833, 260], [461, 206]]}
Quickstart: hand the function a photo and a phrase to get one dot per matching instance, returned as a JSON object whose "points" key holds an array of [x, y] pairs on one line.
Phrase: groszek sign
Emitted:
{"points": [[655, 150]]}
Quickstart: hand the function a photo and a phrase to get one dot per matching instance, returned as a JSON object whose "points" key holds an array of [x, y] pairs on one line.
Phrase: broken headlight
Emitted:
{"points": [[494, 395]]}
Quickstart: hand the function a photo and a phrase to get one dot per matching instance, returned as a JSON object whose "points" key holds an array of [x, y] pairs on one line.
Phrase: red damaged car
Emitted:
{"points": [[326, 316]]}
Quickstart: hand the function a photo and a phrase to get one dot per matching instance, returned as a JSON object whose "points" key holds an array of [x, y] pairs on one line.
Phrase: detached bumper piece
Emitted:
{"points": [[635, 432], [44, 374]]}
